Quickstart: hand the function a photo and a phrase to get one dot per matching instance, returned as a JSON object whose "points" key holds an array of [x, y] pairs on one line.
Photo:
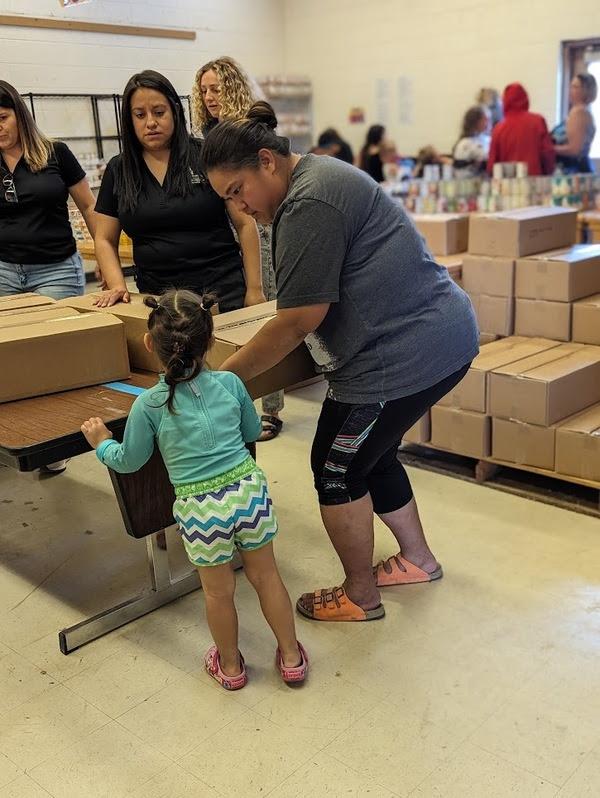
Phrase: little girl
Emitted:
{"points": [[201, 420]]}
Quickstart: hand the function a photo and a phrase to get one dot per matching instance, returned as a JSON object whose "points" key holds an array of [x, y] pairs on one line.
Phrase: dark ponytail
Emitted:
{"points": [[235, 144], [181, 328]]}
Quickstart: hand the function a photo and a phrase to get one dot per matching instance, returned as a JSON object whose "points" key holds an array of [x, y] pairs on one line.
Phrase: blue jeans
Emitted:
{"points": [[56, 280]]}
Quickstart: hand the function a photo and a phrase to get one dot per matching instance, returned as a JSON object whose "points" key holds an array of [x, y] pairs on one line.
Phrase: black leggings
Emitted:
{"points": [[355, 450]]}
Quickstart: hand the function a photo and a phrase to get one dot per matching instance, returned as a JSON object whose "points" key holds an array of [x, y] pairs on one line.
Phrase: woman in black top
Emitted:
{"points": [[37, 249], [370, 155], [156, 192]]}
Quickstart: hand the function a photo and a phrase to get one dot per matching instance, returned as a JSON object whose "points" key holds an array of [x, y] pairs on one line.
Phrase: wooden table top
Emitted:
{"points": [[33, 430]]}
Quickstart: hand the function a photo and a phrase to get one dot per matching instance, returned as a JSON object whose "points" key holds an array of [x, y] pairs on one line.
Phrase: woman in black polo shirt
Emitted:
{"points": [[37, 249], [156, 192]]}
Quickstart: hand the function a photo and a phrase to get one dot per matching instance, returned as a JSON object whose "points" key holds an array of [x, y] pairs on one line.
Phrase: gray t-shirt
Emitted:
{"points": [[397, 323]]}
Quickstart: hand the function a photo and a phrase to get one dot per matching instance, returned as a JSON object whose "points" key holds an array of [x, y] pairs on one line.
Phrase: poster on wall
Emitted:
{"points": [[356, 116], [405, 100], [382, 100]]}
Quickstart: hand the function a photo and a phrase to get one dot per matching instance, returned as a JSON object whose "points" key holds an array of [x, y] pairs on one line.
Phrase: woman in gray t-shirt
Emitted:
{"points": [[385, 324]]}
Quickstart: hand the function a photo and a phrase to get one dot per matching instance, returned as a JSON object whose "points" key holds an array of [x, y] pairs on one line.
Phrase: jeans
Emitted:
{"points": [[55, 280]]}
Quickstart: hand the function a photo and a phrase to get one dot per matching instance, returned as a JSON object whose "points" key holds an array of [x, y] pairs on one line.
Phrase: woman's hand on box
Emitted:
{"points": [[95, 431], [111, 297]]}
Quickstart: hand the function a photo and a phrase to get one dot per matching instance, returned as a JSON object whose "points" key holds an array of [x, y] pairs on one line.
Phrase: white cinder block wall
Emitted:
{"points": [[55, 61], [59, 61], [442, 50]]}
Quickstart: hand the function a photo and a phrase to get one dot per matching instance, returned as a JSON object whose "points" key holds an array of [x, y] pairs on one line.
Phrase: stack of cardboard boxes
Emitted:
{"points": [[532, 399]]}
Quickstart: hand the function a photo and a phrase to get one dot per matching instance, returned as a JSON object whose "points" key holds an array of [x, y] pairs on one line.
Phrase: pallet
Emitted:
{"points": [[539, 484]]}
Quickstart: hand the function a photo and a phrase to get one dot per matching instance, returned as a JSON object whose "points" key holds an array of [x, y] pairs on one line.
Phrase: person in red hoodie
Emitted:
{"points": [[522, 135]]}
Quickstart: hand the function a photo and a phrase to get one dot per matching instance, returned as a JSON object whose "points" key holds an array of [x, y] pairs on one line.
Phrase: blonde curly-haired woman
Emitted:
{"points": [[223, 90]]}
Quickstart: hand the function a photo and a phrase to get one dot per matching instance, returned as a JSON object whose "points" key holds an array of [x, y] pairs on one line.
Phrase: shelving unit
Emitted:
{"points": [[89, 123], [291, 97]]}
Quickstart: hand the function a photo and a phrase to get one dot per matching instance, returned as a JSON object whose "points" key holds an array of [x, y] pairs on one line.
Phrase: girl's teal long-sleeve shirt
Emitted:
{"points": [[205, 437]]}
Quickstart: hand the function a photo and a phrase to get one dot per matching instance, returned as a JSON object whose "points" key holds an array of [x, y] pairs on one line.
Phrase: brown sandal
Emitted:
{"points": [[271, 427]]}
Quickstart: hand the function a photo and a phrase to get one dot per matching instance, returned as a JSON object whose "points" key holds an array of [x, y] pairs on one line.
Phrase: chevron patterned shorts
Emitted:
{"points": [[233, 511]]}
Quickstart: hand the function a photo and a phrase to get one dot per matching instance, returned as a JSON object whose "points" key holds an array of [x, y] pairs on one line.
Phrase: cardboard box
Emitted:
{"points": [[235, 317], [495, 314], [487, 338], [482, 274], [23, 301], [453, 263], [546, 319], [586, 320], [444, 233], [471, 393], [419, 432], [61, 354], [16, 318], [134, 316], [561, 276], [523, 444], [460, 431], [230, 337], [547, 387], [578, 445], [515, 234]]}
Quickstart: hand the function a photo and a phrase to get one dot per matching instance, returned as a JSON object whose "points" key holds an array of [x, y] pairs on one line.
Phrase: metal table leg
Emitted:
{"points": [[163, 590]]}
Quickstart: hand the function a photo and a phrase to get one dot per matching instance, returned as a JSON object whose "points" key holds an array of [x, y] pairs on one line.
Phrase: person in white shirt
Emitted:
{"points": [[472, 149]]}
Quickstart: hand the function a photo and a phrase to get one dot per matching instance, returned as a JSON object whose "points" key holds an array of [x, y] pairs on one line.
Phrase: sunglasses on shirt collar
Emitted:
{"points": [[8, 184]]}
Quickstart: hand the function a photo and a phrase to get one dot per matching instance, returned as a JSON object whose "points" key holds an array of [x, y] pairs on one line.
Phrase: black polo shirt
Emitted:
{"points": [[180, 242], [36, 229]]}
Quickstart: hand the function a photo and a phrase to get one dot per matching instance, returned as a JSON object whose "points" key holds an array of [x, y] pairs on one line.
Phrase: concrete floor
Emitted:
{"points": [[485, 684]]}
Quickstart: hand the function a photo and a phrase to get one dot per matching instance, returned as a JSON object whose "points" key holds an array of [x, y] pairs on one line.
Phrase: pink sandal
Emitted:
{"points": [[293, 675], [212, 662]]}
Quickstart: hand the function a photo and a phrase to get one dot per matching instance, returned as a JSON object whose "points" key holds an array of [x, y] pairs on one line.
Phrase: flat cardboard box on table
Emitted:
{"points": [[547, 387], [419, 432], [546, 319], [460, 431], [444, 233], [16, 318], [495, 314], [134, 316], [561, 276], [483, 274], [60, 354], [232, 331], [578, 445], [471, 392], [523, 444], [23, 301], [586, 320], [518, 233]]}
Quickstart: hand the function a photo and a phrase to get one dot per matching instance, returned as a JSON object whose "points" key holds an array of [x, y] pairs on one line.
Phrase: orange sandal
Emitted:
{"points": [[398, 571], [333, 604]]}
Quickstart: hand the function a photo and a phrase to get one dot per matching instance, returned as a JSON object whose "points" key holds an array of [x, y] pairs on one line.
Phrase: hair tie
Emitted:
{"points": [[178, 348]]}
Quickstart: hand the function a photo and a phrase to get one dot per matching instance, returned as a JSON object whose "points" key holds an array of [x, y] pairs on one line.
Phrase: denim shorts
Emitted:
{"points": [[56, 280]]}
